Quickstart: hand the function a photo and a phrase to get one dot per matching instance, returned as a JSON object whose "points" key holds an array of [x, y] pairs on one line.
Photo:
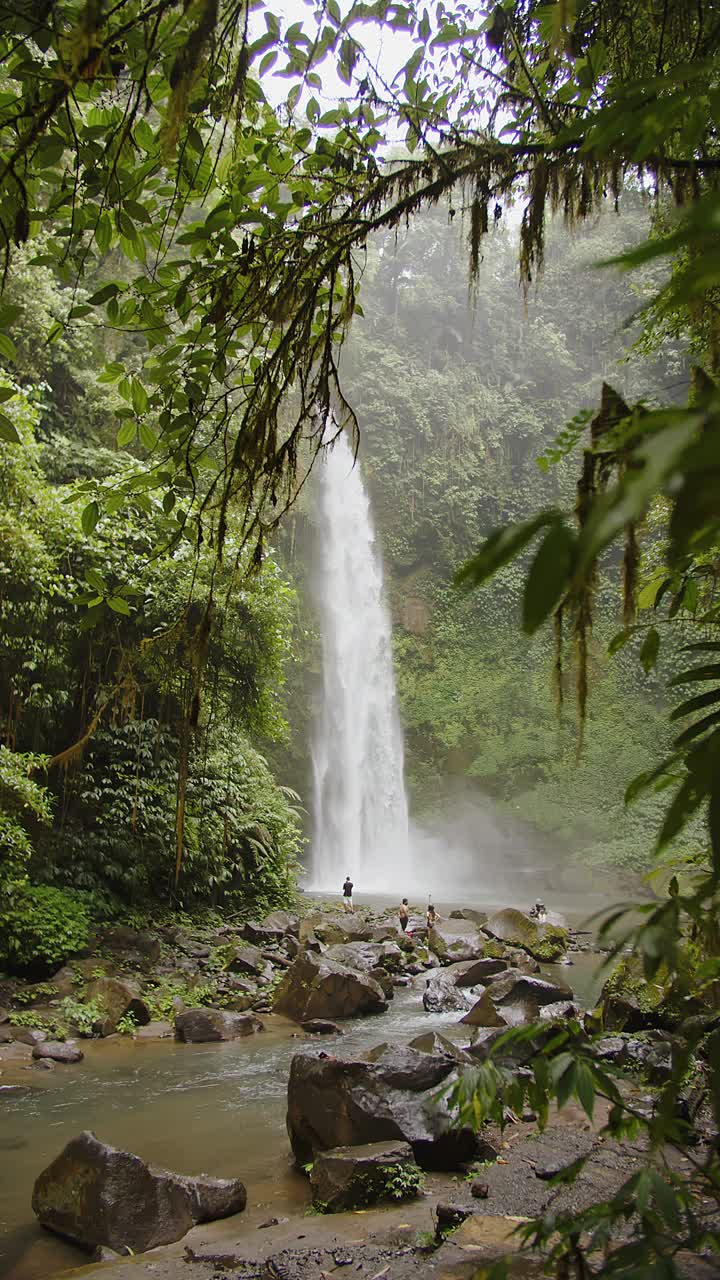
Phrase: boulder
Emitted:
{"points": [[455, 940], [560, 1011], [95, 1194], [514, 998], [629, 1002], [332, 929], [58, 1051], [65, 981], [336, 1103], [27, 1035], [321, 1027], [4, 1016], [249, 960], [155, 1031], [351, 1177], [543, 941], [116, 998], [433, 1042], [469, 913], [199, 1026], [136, 942], [15, 1052], [273, 929], [315, 987], [479, 973], [442, 993]]}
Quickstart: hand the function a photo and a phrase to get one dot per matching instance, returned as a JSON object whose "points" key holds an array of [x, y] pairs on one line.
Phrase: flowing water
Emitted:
{"points": [[214, 1108], [360, 809]]}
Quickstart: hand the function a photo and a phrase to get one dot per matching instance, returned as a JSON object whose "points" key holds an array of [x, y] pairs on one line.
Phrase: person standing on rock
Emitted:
{"points": [[404, 914], [347, 894], [431, 916]]}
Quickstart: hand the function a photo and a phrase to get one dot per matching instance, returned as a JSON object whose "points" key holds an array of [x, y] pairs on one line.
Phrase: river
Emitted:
{"points": [[212, 1108]]}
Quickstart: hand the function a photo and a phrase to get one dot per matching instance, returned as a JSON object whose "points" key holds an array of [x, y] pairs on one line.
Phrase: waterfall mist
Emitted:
{"points": [[360, 806]]}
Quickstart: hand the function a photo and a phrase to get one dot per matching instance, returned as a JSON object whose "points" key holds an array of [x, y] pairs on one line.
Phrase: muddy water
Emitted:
{"points": [[214, 1108]]}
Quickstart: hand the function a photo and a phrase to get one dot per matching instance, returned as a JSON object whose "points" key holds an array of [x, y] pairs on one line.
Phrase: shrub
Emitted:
{"points": [[41, 927]]}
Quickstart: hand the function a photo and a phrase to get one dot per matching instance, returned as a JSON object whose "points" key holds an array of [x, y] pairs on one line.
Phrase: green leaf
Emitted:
{"points": [[107, 292], [103, 232], [126, 433], [119, 605], [619, 641], [8, 430], [90, 517], [96, 580], [139, 395], [7, 393], [7, 348], [148, 437], [650, 649], [549, 577], [501, 547]]}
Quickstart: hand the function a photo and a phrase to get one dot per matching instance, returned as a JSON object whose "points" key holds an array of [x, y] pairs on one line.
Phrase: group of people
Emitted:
{"points": [[431, 915]]}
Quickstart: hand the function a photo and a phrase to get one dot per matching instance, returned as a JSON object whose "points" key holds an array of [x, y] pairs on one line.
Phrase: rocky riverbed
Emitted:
{"points": [[348, 1012]]}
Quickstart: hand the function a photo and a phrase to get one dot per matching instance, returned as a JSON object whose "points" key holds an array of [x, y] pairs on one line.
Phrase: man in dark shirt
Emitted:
{"points": [[347, 894]]}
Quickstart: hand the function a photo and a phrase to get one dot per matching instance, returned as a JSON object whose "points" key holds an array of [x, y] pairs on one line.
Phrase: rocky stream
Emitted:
{"points": [[300, 1061]]}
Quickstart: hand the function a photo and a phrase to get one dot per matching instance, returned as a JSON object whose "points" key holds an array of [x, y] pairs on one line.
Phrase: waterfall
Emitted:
{"points": [[360, 805]]}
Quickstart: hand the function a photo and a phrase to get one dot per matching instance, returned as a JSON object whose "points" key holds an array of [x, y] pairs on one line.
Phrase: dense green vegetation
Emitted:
{"points": [[209, 244]]}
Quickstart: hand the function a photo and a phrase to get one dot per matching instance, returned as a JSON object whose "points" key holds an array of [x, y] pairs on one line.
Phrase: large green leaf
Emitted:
{"points": [[499, 548]]}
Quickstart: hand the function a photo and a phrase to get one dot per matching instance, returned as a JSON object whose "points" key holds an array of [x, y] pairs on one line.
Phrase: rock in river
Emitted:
{"points": [[542, 941], [59, 1051], [198, 1026], [314, 987], [334, 1102], [95, 1194], [352, 1177], [514, 998], [116, 997]]}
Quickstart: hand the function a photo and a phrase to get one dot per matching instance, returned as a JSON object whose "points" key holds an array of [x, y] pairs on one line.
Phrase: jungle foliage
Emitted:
{"points": [[143, 132]]}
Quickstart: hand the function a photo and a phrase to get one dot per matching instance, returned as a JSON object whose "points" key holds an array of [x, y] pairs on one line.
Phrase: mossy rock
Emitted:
{"points": [[629, 1001], [542, 940]]}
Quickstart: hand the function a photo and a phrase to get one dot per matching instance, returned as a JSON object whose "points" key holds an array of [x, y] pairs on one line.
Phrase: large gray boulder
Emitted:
{"points": [[442, 993], [58, 1051], [543, 941], [454, 940], [514, 998], [334, 1102], [249, 960], [352, 1177], [95, 1194], [480, 972], [332, 929], [199, 1026], [116, 998], [315, 987], [271, 930]]}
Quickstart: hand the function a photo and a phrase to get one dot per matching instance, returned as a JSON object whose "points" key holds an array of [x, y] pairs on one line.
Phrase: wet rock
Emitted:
{"points": [[384, 980], [65, 981], [200, 1026], [117, 998], [455, 940], [433, 1042], [513, 999], [250, 960], [5, 1033], [479, 1189], [332, 930], [442, 994], [155, 1031], [315, 987], [560, 1011], [95, 1194], [15, 1052], [479, 973], [122, 938], [352, 1177], [28, 1035], [542, 940], [449, 1216], [321, 1027], [649, 1055], [4, 1016], [42, 1064], [469, 913], [59, 1051], [271, 930], [335, 1103]]}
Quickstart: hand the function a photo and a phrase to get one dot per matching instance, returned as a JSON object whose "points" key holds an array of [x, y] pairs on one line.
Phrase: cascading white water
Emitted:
{"points": [[361, 813]]}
